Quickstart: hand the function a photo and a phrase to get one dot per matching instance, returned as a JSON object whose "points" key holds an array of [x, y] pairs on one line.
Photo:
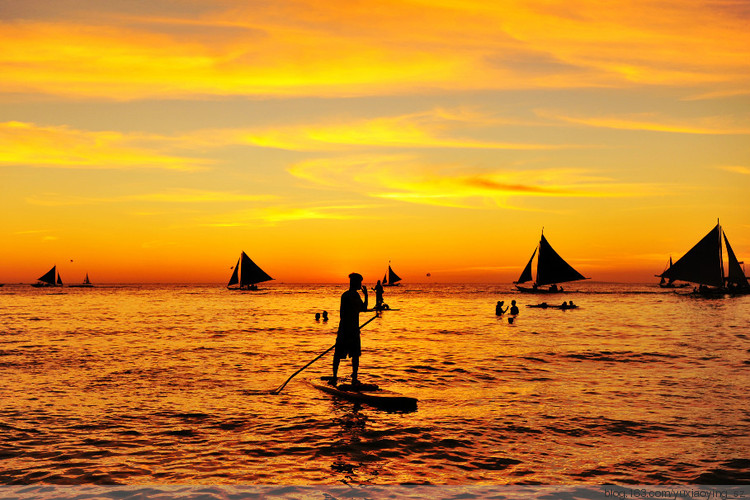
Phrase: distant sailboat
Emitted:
{"points": [[704, 265], [664, 283], [247, 274], [86, 283], [48, 279], [390, 278], [550, 270]]}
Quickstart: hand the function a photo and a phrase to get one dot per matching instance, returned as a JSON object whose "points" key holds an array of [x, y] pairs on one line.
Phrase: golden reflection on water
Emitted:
{"points": [[169, 384]]}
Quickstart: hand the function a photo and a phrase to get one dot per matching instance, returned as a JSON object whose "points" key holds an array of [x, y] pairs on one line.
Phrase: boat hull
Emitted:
{"points": [[525, 289], [375, 397], [718, 292]]}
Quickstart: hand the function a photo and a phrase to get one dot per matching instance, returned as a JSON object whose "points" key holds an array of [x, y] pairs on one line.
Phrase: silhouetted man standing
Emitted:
{"points": [[348, 343], [378, 296]]}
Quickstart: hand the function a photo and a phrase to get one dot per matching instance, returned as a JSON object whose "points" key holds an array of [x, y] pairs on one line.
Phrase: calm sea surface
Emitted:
{"points": [[167, 384]]}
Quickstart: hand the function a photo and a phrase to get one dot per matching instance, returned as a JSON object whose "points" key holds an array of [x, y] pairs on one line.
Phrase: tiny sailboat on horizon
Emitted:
{"points": [[48, 279], [86, 283], [551, 269], [247, 274], [664, 283], [704, 265]]}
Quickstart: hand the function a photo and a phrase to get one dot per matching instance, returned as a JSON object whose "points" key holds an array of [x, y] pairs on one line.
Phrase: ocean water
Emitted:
{"points": [[168, 384]]}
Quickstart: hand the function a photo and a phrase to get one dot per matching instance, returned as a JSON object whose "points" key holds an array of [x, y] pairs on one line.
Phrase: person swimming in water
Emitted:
{"points": [[513, 308], [499, 311]]}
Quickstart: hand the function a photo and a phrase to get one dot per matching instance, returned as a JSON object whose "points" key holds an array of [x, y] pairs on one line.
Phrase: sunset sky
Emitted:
{"points": [[155, 140]]}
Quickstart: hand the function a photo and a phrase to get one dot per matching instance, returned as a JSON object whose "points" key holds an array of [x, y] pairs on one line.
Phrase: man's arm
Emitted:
{"points": [[364, 290]]}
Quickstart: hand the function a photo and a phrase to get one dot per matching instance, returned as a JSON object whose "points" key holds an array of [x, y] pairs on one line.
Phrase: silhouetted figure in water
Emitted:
{"points": [[553, 288], [348, 342], [378, 296], [513, 307], [499, 311], [317, 316], [325, 315]]}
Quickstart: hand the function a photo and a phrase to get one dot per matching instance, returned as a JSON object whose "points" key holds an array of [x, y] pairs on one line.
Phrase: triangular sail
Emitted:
{"points": [[385, 279], [735, 273], [49, 276], [526, 273], [392, 277], [552, 268], [702, 263], [235, 275], [86, 281], [250, 273], [59, 280]]}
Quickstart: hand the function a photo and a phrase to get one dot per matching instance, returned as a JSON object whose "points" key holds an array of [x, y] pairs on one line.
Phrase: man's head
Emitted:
{"points": [[355, 280]]}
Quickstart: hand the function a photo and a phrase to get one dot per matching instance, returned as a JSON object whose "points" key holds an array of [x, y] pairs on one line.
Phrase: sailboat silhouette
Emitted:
{"points": [[551, 269], [247, 274]]}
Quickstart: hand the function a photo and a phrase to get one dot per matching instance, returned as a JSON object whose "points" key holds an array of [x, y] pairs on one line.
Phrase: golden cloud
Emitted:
{"points": [[737, 169], [437, 128], [653, 123], [374, 48], [408, 178], [173, 196], [28, 144], [272, 215]]}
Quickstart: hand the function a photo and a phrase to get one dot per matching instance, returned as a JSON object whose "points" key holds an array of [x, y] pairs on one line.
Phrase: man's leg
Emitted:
{"points": [[335, 369], [355, 368]]}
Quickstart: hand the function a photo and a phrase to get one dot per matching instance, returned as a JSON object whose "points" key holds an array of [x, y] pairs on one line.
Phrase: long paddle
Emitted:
{"points": [[281, 387]]}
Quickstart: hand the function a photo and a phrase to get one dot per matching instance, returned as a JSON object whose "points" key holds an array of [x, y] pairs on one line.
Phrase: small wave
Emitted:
{"points": [[621, 356], [735, 471], [180, 433]]}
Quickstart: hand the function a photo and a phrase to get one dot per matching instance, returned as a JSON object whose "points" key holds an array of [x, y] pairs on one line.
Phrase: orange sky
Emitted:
{"points": [[154, 142]]}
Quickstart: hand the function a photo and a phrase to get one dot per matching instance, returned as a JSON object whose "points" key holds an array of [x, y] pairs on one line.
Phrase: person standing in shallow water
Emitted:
{"points": [[348, 342], [513, 307], [378, 296], [499, 308]]}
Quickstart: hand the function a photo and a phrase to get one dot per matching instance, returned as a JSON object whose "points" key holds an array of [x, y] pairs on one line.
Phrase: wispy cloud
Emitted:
{"points": [[180, 196], [28, 144], [303, 47], [653, 123], [275, 214], [408, 178], [435, 128], [737, 169]]}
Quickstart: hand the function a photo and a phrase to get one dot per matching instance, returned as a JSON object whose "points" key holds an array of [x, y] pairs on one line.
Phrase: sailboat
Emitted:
{"points": [[704, 265], [390, 278], [551, 269], [48, 279], [86, 283], [247, 274], [664, 283]]}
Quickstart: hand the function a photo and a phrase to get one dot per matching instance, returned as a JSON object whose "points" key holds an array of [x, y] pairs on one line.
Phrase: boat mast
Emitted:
{"points": [[536, 278], [721, 256]]}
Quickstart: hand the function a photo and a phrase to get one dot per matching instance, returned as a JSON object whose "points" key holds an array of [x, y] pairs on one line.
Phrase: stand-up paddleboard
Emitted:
{"points": [[369, 394]]}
